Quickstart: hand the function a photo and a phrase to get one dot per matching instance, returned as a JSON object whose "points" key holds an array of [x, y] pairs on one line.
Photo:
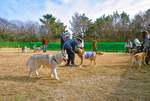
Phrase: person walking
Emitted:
{"points": [[94, 45]]}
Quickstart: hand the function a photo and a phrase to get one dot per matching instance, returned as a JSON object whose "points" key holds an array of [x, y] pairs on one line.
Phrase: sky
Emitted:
{"points": [[32, 10]]}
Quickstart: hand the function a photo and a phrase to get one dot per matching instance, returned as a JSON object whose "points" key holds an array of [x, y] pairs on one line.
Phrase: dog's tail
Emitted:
{"points": [[99, 53]]}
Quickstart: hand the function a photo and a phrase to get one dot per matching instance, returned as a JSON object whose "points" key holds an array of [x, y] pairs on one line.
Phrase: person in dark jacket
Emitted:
{"points": [[145, 39], [146, 45], [70, 46]]}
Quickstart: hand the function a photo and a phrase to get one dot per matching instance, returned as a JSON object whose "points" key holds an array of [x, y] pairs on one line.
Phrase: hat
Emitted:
{"points": [[79, 39]]}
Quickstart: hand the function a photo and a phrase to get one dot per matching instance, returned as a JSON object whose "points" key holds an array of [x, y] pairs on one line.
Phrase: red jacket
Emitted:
{"points": [[45, 41]]}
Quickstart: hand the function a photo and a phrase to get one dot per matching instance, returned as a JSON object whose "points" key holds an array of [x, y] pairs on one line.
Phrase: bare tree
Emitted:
{"points": [[79, 24]]}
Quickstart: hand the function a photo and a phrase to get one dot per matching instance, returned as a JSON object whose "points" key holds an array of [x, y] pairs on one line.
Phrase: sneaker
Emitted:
{"points": [[73, 65]]}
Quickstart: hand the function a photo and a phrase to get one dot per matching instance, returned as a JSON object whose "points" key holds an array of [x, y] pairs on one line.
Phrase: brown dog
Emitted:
{"points": [[138, 59], [91, 55]]}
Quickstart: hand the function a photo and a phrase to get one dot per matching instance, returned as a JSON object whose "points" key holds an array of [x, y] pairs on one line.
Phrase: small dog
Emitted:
{"points": [[138, 59], [46, 60], [24, 49], [37, 49], [91, 55]]}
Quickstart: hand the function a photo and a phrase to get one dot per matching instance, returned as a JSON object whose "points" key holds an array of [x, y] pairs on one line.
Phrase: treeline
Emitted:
{"points": [[114, 27], [31, 31]]}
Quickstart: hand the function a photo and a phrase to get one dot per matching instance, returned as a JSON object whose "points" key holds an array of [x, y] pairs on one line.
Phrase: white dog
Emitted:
{"points": [[25, 49], [38, 60], [37, 49]]}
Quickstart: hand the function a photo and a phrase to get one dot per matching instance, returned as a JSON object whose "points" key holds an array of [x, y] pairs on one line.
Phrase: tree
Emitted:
{"points": [[50, 22], [60, 27], [79, 24], [54, 27], [124, 24], [147, 20], [4, 26]]}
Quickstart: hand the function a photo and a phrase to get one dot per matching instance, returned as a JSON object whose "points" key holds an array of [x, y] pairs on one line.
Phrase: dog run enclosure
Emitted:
{"points": [[101, 46]]}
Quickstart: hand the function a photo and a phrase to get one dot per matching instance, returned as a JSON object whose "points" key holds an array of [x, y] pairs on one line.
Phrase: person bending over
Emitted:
{"points": [[69, 46]]}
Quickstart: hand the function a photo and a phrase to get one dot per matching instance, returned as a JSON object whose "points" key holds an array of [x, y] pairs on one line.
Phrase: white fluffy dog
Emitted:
{"points": [[38, 60]]}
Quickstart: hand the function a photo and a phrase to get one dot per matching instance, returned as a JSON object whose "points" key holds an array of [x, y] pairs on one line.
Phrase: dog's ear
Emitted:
{"points": [[77, 50]]}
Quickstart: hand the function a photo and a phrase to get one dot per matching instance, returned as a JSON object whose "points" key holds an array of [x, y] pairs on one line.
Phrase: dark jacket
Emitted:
{"points": [[63, 38], [70, 44]]}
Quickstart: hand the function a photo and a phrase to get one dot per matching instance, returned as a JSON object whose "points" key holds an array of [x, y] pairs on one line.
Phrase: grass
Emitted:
{"points": [[110, 80]]}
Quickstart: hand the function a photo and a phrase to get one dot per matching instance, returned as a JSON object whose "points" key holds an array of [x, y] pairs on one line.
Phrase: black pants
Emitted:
{"points": [[71, 57], [147, 59]]}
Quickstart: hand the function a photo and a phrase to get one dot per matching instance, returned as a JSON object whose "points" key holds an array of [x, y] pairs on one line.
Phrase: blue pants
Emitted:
{"points": [[45, 48]]}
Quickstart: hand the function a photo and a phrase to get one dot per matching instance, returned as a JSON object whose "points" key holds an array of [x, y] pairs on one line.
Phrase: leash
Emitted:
{"points": [[53, 58]]}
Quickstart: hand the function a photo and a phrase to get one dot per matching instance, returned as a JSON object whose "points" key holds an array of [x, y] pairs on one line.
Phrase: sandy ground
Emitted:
{"points": [[112, 79]]}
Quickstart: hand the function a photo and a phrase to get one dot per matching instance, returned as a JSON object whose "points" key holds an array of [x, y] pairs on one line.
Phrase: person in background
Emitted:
{"points": [[63, 37], [146, 45], [44, 43], [70, 46], [81, 45], [94, 45], [81, 36], [138, 45], [128, 46], [145, 40]]}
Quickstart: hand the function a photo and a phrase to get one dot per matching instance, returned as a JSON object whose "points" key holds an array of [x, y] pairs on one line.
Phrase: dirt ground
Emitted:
{"points": [[111, 79]]}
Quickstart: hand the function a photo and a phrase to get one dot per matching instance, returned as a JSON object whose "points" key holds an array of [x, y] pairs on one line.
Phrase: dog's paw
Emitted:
{"points": [[38, 77], [80, 66], [53, 78], [57, 78]]}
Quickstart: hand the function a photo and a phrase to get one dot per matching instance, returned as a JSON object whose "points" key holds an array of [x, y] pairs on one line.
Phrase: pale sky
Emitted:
{"points": [[63, 9]]}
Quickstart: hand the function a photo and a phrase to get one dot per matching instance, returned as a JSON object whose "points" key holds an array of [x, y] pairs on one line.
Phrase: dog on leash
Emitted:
{"points": [[138, 59], [91, 55], [38, 60]]}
